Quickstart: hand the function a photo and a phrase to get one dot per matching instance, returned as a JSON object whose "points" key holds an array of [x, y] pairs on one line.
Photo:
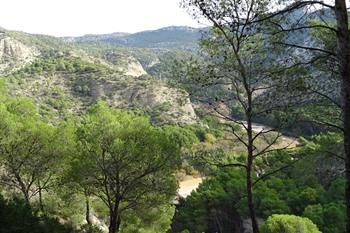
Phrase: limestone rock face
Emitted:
{"points": [[14, 54], [127, 64], [134, 68], [173, 104]]}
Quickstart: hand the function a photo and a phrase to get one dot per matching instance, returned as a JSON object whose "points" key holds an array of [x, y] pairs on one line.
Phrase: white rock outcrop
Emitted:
{"points": [[14, 54]]}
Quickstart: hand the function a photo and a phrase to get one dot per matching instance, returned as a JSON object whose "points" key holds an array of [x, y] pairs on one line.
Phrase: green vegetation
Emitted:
{"points": [[136, 160], [17, 217], [288, 224], [64, 64], [31, 149], [221, 198], [43, 162]]}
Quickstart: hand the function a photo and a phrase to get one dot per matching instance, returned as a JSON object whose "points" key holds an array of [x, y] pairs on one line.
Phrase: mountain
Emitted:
{"points": [[65, 77], [95, 37], [169, 37]]}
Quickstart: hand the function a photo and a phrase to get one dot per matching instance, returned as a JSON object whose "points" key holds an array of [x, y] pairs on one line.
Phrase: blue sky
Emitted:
{"points": [[79, 17]]}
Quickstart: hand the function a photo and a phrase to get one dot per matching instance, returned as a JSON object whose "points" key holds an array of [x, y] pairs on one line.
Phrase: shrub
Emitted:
{"points": [[289, 224], [209, 138], [16, 216], [90, 229]]}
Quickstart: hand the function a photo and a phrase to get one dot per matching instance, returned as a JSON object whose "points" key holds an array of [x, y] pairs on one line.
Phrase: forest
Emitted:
{"points": [[258, 110]]}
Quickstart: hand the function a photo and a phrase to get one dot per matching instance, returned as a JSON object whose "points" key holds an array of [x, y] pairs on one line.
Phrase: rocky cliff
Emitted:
{"points": [[14, 54]]}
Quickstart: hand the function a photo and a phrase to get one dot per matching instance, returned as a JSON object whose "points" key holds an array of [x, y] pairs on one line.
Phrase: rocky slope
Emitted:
{"points": [[65, 79], [14, 54]]}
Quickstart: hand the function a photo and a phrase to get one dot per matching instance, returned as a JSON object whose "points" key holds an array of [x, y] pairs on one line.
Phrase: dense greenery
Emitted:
{"points": [[220, 202], [64, 64], [288, 224], [44, 163], [125, 162], [17, 217]]}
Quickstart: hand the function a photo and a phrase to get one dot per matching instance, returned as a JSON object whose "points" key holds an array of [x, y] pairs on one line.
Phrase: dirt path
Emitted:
{"points": [[188, 185]]}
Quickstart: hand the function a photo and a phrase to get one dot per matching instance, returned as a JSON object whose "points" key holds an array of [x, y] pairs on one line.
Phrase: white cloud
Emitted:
{"points": [[78, 17]]}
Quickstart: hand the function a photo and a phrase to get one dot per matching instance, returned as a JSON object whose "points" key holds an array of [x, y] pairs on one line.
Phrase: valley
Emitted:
{"points": [[239, 126]]}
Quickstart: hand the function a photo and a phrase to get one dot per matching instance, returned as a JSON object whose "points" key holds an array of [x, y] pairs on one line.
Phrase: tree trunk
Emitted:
{"points": [[344, 62], [26, 198], [24, 189], [119, 221], [41, 203], [250, 198], [87, 211], [346, 112], [250, 161], [26, 194], [114, 224], [114, 219]]}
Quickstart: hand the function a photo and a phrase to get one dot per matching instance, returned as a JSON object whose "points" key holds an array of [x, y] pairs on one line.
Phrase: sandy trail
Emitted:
{"points": [[188, 185]]}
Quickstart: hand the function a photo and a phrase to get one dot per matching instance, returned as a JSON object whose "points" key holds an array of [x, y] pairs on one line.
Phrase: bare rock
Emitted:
{"points": [[14, 54]]}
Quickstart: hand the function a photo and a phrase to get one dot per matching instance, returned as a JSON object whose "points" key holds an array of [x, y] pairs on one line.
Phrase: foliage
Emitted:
{"points": [[89, 229], [30, 148], [17, 217], [215, 200], [323, 157], [184, 137], [136, 160], [289, 224], [153, 220], [330, 218], [64, 64], [297, 190]]}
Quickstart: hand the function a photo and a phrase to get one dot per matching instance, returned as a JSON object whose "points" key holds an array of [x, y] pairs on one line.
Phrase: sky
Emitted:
{"points": [[80, 17]]}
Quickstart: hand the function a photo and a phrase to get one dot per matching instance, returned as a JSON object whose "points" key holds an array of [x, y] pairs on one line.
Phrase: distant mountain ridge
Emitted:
{"points": [[180, 37], [95, 37]]}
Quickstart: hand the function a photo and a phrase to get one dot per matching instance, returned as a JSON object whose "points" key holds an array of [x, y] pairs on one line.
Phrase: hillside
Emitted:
{"points": [[65, 78]]}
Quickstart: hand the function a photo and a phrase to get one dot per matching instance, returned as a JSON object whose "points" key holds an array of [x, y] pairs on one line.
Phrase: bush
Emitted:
{"points": [[330, 217], [90, 229], [288, 224], [17, 217], [209, 138]]}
